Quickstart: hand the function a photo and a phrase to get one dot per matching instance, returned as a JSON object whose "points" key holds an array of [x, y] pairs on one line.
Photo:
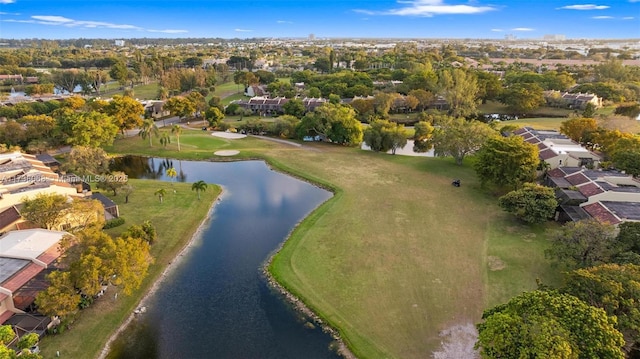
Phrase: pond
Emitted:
{"points": [[216, 303]]}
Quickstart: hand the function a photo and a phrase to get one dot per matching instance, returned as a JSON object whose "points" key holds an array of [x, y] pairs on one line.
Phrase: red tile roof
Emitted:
{"points": [[556, 172], [5, 316], [541, 146], [9, 216], [590, 189], [547, 154], [601, 213], [521, 131], [50, 255], [22, 277], [577, 179]]}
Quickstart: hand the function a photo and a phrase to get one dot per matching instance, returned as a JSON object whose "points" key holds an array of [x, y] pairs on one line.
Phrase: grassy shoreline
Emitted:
{"points": [[396, 255], [106, 315]]}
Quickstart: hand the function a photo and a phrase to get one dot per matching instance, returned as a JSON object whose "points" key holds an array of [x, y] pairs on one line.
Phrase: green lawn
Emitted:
{"points": [[540, 123], [398, 254], [228, 88], [497, 107], [90, 332]]}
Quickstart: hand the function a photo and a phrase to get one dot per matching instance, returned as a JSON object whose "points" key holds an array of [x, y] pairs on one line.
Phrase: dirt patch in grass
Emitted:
{"points": [[495, 263], [458, 342]]}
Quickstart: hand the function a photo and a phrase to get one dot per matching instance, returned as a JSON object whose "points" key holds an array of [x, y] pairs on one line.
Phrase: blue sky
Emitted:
{"points": [[63, 19]]}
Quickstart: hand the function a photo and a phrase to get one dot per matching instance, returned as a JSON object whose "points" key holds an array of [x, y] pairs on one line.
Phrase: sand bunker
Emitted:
{"points": [[226, 153], [229, 135]]}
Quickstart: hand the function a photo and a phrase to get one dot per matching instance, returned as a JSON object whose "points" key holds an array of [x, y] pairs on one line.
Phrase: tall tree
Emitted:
{"points": [[180, 106], [199, 186], [90, 129], [583, 244], [61, 298], [336, 122], [148, 130], [214, 116], [507, 161], [523, 98], [548, 325], [87, 161], [383, 136], [460, 89], [126, 111], [423, 137], [45, 210], [176, 129], [579, 129], [457, 137]]}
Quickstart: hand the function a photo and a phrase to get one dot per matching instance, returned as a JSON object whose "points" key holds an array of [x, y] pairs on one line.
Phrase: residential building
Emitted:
{"points": [[577, 101], [24, 176], [558, 150], [23, 256], [608, 195]]}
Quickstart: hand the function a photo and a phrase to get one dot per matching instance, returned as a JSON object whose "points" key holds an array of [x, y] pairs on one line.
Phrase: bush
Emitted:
{"points": [[112, 223]]}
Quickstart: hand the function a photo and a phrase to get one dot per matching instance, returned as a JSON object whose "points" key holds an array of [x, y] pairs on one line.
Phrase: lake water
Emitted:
{"points": [[216, 303]]}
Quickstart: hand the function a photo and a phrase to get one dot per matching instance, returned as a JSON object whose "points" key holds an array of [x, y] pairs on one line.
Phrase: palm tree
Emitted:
{"points": [[165, 139], [148, 129], [177, 130], [160, 193], [199, 186], [171, 172]]}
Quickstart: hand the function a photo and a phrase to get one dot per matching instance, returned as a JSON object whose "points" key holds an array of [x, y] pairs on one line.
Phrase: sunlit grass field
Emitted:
{"points": [[398, 254]]}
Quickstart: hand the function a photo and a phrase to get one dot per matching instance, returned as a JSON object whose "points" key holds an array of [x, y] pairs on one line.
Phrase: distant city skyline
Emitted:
{"points": [[476, 19]]}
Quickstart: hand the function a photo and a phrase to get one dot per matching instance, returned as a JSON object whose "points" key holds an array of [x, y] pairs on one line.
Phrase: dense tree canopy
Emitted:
{"points": [[335, 122], [543, 324], [507, 161], [614, 288], [579, 129], [126, 111], [523, 98], [583, 244], [532, 203], [457, 137], [383, 136]]}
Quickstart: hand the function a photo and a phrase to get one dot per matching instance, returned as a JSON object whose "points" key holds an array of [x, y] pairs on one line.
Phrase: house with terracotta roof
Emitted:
{"points": [[23, 256], [24, 176], [609, 196], [557, 149]]}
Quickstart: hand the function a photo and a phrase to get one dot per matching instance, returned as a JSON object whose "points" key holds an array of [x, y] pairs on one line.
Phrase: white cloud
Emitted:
{"points": [[602, 17], [7, 1], [242, 30], [522, 29], [63, 21], [584, 7], [497, 30], [428, 8], [628, 18], [169, 31], [9, 13], [67, 22], [284, 22]]}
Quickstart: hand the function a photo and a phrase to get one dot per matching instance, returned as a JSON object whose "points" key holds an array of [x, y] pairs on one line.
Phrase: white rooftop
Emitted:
{"points": [[29, 243], [563, 147]]}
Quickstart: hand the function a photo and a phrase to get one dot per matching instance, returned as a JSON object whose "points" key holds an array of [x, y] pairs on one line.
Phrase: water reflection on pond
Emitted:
{"points": [[216, 304]]}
